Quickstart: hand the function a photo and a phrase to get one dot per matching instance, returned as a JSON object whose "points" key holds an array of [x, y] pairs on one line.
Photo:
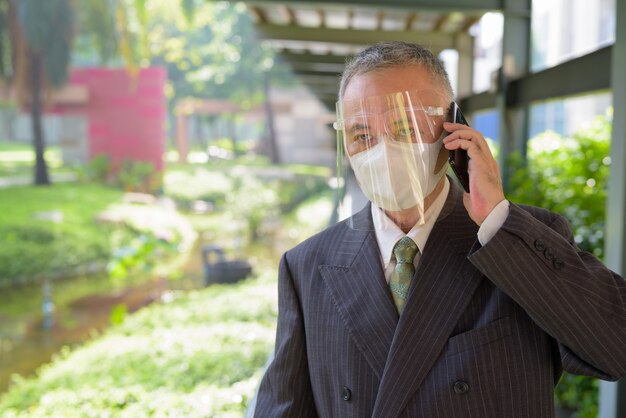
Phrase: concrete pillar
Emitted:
{"points": [[181, 138], [515, 63], [613, 395], [465, 48]]}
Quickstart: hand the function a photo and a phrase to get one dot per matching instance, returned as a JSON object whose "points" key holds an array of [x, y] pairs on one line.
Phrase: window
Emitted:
{"points": [[565, 29]]}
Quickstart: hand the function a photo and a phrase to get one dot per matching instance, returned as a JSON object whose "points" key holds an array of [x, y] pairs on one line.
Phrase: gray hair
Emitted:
{"points": [[386, 55]]}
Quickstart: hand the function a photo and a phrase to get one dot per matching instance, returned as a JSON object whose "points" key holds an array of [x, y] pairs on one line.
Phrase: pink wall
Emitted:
{"points": [[126, 116]]}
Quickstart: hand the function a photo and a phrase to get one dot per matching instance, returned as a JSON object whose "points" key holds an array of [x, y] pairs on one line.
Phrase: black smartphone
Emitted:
{"points": [[458, 159]]}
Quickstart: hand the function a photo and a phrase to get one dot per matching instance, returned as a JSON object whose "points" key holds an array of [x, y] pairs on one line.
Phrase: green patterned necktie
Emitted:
{"points": [[405, 251]]}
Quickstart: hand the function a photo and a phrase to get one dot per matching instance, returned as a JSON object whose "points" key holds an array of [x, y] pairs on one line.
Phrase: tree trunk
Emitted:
{"points": [[232, 127], [269, 115], [41, 168]]}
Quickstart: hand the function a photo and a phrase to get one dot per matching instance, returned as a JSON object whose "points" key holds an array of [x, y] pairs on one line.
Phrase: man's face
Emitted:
{"points": [[390, 123], [373, 108]]}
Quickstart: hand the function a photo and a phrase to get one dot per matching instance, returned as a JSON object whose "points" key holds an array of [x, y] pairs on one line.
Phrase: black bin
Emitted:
{"points": [[219, 270]]}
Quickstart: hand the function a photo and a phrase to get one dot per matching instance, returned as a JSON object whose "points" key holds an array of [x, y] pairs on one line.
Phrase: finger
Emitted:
{"points": [[463, 143], [452, 126], [479, 141], [472, 149], [467, 134]]}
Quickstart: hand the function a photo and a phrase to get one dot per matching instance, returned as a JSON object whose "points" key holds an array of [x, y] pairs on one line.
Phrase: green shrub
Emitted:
{"points": [[252, 194], [197, 183], [570, 176], [302, 187], [137, 176], [96, 170], [252, 201], [579, 394], [32, 250], [129, 175], [197, 354]]}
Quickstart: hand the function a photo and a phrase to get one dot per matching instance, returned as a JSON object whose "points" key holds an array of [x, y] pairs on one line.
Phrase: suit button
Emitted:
{"points": [[460, 387], [539, 245], [548, 254], [347, 394], [558, 263]]}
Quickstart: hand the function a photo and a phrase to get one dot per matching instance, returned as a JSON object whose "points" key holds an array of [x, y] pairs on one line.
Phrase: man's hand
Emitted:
{"points": [[485, 183]]}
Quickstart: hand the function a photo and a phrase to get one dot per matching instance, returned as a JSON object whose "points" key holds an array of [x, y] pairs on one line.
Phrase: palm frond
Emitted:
{"points": [[5, 44], [38, 20], [189, 10]]}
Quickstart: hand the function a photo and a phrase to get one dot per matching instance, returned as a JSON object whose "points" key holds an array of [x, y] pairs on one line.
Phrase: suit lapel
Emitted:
{"points": [[440, 292], [356, 282]]}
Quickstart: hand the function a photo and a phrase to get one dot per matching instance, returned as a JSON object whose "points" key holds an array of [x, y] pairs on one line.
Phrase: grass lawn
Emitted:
{"points": [[79, 203], [54, 229], [197, 354], [43, 229], [18, 159]]}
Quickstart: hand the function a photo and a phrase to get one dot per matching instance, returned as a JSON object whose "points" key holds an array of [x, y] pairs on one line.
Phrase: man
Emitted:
{"points": [[431, 301]]}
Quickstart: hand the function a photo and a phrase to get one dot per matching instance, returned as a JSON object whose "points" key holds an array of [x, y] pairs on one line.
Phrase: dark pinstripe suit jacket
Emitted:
{"points": [[486, 331]]}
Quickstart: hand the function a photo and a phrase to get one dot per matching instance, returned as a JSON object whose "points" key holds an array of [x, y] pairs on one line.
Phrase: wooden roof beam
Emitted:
{"points": [[410, 20], [443, 19], [291, 16], [433, 40], [426, 5], [257, 14], [308, 58]]}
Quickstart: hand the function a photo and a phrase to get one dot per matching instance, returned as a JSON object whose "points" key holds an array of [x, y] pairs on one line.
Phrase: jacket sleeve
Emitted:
{"points": [[569, 293], [285, 390]]}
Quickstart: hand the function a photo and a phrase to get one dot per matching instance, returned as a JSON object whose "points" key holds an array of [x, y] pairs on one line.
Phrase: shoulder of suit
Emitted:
{"points": [[322, 238]]}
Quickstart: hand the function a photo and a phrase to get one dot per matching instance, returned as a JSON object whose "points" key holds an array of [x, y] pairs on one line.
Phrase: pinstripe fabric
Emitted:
{"points": [[486, 331]]}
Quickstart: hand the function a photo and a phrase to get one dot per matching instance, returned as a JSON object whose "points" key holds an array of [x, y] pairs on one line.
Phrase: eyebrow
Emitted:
{"points": [[357, 127]]}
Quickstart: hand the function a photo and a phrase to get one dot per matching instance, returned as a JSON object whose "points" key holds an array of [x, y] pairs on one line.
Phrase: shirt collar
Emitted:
{"points": [[388, 233]]}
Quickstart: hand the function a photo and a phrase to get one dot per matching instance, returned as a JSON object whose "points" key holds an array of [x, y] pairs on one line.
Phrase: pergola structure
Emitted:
{"points": [[186, 108], [316, 36]]}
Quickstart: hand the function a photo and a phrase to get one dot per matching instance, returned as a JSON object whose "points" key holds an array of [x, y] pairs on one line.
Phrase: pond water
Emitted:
{"points": [[76, 308]]}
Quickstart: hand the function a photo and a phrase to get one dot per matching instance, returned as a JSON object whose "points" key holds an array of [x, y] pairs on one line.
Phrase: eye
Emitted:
{"points": [[363, 138], [406, 131]]}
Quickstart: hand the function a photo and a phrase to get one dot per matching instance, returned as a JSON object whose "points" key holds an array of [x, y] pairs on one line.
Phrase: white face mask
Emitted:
{"points": [[397, 176]]}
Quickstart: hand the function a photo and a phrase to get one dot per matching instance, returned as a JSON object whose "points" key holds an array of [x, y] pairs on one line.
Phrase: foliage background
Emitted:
{"points": [[210, 48], [569, 175]]}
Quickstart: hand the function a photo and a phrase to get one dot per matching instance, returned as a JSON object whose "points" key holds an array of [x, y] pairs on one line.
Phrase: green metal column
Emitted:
{"points": [[613, 395], [515, 64]]}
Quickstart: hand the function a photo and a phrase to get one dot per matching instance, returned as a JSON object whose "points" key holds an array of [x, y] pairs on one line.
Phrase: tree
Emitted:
{"points": [[97, 38], [5, 46], [212, 51], [35, 47]]}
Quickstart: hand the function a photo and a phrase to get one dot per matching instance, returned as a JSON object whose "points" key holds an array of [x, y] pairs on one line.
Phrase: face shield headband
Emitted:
{"points": [[394, 145]]}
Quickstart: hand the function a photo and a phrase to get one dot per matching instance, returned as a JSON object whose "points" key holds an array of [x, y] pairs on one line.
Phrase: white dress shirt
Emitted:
{"points": [[388, 233]]}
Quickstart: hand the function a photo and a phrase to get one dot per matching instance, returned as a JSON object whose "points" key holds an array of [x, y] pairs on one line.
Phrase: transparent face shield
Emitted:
{"points": [[394, 145]]}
